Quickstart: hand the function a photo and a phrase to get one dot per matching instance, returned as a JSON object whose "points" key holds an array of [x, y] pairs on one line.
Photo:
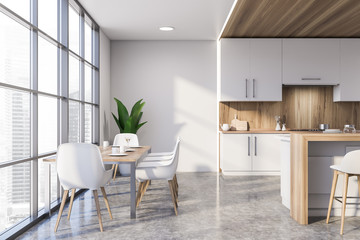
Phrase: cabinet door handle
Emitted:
{"points": [[248, 146], [246, 88], [253, 87], [255, 146], [317, 79]]}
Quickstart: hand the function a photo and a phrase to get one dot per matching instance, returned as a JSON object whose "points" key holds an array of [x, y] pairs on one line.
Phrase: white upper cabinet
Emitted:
{"points": [[235, 67], [251, 70], [311, 61], [348, 90], [265, 70]]}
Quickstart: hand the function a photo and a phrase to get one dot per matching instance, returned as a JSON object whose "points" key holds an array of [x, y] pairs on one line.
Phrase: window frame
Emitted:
{"points": [[62, 96]]}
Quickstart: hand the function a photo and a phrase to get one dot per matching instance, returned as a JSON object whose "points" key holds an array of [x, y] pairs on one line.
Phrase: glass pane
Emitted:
{"points": [[88, 123], [42, 168], [47, 17], [47, 120], [20, 7], [74, 121], [88, 42], [14, 53], [96, 83], [74, 78], [74, 30], [47, 70], [88, 86], [15, 125], [14, 194]]}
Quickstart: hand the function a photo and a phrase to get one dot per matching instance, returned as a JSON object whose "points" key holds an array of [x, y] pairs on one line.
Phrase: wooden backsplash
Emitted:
{"points": [[303, 106]]}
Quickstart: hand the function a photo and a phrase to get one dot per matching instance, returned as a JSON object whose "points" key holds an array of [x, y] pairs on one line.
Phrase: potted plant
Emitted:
{"points": [[129, 123]]}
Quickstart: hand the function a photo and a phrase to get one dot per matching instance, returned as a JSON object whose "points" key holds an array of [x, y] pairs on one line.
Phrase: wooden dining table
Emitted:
{"points": [[131, 158]]}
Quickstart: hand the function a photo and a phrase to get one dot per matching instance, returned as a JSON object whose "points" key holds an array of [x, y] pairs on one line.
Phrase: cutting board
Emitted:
{"points": [[238, 125]]}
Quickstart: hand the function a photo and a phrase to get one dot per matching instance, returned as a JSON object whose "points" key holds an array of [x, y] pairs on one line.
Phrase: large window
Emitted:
{"points": [[49, 55]]}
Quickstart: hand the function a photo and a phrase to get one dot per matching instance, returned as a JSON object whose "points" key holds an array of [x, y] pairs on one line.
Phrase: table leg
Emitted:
{"points": [[132, 191], [48, 188]]}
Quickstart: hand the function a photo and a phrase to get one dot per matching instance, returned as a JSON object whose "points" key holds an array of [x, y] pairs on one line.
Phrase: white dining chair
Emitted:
{"points": [[159, 170], [80, 166], [159, 156], [120, 140], [349, 167]]}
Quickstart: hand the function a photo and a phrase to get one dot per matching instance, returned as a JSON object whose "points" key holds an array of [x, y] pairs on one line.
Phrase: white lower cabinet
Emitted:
{"points": [[250, 154]]}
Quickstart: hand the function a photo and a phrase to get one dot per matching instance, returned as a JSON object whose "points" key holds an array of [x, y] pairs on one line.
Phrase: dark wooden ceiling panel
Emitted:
{"points": [[294, 18]]}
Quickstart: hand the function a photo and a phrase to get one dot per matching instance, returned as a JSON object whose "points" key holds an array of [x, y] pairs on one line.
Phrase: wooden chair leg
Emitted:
{"points": [[138, 195], [61, 209], [116, 167], [333, 188], [106, 201], [71, 203], [96, 197], [345, 188], [176, 182], [142, 191], [175, 193], [172, 190]]}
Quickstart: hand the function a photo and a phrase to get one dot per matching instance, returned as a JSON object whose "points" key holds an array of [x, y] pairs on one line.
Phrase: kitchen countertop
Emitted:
{"points": [[256, 131]]}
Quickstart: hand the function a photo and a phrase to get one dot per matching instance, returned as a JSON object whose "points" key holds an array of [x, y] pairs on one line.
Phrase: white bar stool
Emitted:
{"points": [[350, 166]]}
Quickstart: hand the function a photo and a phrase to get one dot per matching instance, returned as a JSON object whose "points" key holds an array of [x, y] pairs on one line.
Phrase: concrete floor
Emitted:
{"points": [[210, 207]]}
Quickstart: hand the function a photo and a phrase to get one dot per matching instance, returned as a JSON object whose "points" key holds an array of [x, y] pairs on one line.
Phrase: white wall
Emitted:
{"points": [[177, 80], [105, 113]]}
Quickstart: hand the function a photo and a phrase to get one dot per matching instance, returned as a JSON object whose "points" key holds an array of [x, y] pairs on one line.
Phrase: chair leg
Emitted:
{"points": [[61, 209], [175, 193], [172, 190], [142, 191], [176, 185], [96, 197], [345, 188], [116, 167], [333, 188], [141, 185], [106, 201], [71, 203]]}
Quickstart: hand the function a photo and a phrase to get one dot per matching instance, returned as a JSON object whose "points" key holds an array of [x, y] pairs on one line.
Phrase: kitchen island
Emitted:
{"points": [[299, 168]]}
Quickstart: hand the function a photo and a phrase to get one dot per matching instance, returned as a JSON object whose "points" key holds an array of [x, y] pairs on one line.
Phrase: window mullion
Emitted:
{"points": [[34, 106], [82, 75]]}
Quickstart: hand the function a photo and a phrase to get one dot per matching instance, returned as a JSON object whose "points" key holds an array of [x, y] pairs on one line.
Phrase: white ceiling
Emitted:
{"points": [[141, 19]]}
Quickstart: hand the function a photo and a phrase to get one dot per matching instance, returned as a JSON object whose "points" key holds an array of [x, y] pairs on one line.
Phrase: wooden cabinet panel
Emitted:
{"points": [[311, 61]]}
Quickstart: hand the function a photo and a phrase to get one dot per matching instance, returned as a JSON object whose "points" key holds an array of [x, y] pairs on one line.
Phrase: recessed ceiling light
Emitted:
{"points": [[167, 28]]}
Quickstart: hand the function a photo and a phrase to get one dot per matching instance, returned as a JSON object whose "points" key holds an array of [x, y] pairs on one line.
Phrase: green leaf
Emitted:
{"points": [[129, 126], [118, 123], [136, 110], [123, 113], [140, 125], [135, 107], [139, 118]]}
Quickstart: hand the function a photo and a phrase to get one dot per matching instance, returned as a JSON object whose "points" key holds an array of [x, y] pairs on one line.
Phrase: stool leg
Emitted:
{"points": [[333, 188], [345, 188]]}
